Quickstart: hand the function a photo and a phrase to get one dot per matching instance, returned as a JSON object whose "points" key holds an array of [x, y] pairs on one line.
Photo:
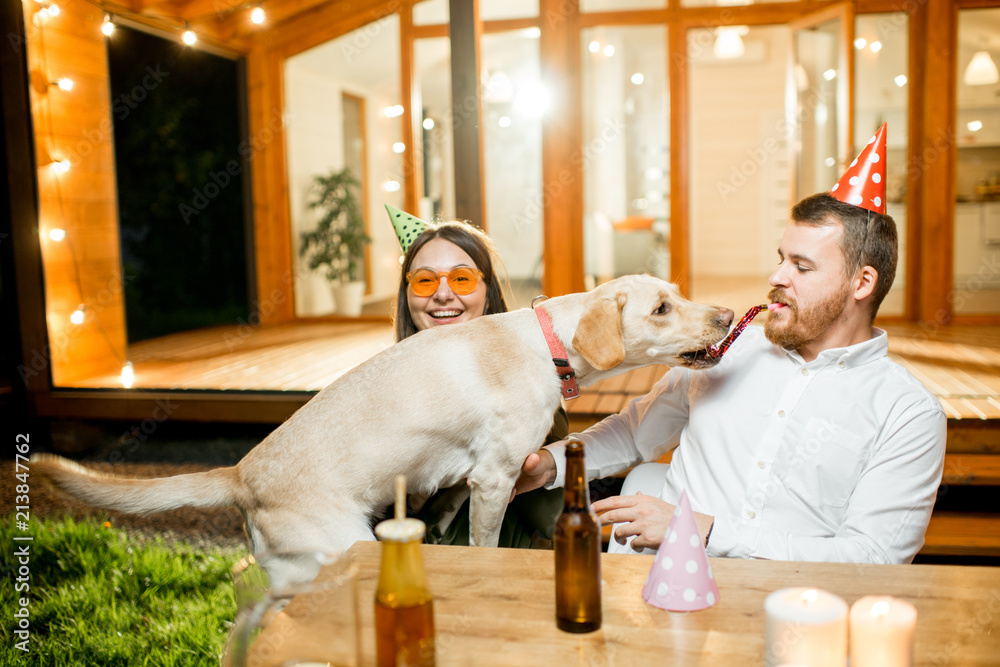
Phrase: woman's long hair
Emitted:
{"points": [[476, 245]]}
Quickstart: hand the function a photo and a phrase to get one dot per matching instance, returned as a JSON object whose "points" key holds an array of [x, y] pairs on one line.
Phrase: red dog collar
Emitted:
{"points": [[566, 374]]}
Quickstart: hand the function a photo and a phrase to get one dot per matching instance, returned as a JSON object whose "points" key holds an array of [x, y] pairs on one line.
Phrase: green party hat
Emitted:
{"points": [[407, 227]]}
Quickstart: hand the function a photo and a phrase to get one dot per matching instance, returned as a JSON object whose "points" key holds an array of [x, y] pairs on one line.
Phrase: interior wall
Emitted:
{"points": [[76, 125], [738, 158], [315, 82]]}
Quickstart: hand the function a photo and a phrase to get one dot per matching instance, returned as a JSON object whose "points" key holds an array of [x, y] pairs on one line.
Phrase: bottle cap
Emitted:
{"points": [[401, 530]]}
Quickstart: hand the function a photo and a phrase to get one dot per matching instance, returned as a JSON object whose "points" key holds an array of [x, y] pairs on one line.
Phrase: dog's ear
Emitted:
{"points": [[598, 334]]}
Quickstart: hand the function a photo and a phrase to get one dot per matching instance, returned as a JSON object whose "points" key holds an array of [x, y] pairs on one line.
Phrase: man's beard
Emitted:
{"points": [[792, 328]]}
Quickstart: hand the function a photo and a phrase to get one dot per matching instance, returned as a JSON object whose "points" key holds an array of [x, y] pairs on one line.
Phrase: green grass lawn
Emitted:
{"points": [[99, 597]]}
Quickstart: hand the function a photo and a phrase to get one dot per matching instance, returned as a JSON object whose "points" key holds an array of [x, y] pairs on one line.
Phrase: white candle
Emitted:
{"points": [[882, 632], [805, 626]]}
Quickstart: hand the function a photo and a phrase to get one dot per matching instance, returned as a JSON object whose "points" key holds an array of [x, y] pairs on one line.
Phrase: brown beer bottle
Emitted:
{"points": [[404, 606], [578, 551]]}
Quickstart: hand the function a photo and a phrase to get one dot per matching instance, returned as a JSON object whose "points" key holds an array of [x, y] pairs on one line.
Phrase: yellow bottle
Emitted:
{"points": [[578, 551], [404, 606]]}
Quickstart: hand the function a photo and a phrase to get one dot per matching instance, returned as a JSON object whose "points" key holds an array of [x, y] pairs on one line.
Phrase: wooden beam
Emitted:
{"points": [[936, 165], [562, 139], [466, 101], [677, 68], [914, 181], [413, 135], [26, 332]]}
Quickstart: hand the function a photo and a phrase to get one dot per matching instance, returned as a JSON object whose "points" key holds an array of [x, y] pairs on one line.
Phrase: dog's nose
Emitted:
{"points": [[725, 317]]}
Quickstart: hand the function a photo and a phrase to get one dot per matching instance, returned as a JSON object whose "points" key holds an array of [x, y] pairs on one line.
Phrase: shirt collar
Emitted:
{"points": [[851, 356]]}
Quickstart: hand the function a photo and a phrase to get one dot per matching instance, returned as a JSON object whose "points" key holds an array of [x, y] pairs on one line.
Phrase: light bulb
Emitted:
{"points": [[981, 70], [609, 51], [128, 375], [393, 111], [428, 123], [62, 166], [901, 80], [503, 121], [189, 37], [398, 147], [65, 84], [830, 74], [76, 317], [57, 234], [257, 15], [638, 78], [52, 9], [860, 43], [108, 26], [595, 46], [875, 47]]}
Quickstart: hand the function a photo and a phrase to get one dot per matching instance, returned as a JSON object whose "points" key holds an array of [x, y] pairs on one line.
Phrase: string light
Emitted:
{"points": [[41, 85], [189, 37], [128, 375]]}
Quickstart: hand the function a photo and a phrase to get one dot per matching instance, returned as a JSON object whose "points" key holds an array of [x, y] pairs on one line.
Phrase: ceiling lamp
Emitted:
{"points": [[981, 71], [729, 43]]}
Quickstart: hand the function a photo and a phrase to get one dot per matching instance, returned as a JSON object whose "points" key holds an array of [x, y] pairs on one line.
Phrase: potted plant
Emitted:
{"points": [[337, 243]]}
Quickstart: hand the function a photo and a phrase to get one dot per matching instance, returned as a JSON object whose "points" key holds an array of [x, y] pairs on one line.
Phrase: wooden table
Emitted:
{"points": [[496, 607]]}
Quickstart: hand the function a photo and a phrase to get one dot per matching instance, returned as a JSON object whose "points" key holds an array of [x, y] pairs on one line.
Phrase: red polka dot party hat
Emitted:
{"points": [[681, 578], [863, 184]]}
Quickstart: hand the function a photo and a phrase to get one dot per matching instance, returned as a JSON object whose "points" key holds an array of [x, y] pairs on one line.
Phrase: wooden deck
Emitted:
{"points": [[958, 364]]}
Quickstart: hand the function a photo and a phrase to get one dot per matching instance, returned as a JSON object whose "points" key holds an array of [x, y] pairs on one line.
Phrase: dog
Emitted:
{"points": [[467, 401]]}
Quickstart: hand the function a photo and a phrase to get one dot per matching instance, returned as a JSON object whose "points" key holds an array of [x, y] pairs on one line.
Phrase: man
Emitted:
{"points": [[806, 442]]}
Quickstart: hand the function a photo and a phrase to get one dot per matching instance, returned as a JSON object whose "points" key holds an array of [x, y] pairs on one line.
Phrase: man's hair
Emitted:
{"points": [[476, 245], [880, 247]]}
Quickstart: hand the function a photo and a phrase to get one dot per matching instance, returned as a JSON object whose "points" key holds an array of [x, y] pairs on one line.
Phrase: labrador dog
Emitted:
{"points": [[468, 401]]}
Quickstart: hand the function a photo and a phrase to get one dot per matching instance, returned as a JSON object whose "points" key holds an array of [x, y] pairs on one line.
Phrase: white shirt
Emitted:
{"points": [[838, 459]]}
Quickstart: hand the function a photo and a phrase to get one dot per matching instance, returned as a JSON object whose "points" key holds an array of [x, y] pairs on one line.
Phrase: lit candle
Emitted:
{"points": [[882, 632], [805, 626]]}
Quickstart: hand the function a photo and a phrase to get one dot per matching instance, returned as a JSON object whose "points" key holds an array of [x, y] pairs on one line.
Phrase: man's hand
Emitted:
{"points": [[538, 470], [646, 517]]}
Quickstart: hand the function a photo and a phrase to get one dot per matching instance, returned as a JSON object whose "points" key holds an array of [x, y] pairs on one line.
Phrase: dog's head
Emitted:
{"points": [[641, 320]]}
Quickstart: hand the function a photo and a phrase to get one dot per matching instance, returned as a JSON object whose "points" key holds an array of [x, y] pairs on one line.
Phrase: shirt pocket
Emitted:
{"points": [[823, 469]]}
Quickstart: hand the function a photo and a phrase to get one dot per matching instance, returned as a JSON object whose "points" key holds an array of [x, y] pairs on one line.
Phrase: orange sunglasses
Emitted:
{"points": [[462, 280]]}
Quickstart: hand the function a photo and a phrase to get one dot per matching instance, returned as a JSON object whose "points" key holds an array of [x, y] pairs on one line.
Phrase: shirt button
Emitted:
{"points": [[841, 364], [751, 514], [781, 413], [805, 371], [761, 465]]}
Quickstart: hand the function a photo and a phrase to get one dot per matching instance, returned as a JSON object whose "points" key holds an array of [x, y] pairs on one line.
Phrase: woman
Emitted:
{"points": [[449, 276]]}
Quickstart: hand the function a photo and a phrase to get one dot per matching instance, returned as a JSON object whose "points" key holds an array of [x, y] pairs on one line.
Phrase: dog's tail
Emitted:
{"points": [[215, 488]]}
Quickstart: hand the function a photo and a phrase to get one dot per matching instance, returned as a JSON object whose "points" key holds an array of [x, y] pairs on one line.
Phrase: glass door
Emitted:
{"points": [[819, 97]]}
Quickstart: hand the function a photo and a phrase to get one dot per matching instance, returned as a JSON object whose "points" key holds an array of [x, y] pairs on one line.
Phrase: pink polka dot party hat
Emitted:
{"points": [[681, 578], [863, 184]]}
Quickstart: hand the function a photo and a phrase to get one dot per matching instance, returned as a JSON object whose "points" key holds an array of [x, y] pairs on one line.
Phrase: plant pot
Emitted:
{"points": [[347, 298]]}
